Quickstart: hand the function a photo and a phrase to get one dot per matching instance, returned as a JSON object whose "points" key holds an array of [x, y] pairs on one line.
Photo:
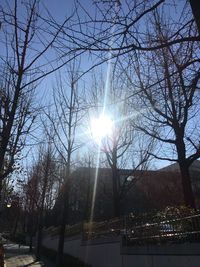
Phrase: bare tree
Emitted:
{"points": [[46, 175], [64, 122], [118, 28], [123, 147], [31, 199], [37, 190], [168, 80], [28, 55], [15, 124]]}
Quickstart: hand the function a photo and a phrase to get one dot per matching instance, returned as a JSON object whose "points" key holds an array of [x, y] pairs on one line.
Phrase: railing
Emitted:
{"points": [[103, 229], [141, 231], [70, 230], [177, 230]]}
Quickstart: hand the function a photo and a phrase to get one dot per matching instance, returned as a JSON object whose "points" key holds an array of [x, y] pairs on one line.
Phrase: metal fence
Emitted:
{"points": [[147, 230], [139, 229], [174, 230], [104, 229]]}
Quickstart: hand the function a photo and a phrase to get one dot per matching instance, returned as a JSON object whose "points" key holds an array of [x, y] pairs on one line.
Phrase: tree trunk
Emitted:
{"points": [[86, 215], [59, 260], [41, 214], [39, 236], [195, 5], [187, 185], [1, 203], [116, 201], [16, 222], [184, 168], [116, 204], [31, 243]]}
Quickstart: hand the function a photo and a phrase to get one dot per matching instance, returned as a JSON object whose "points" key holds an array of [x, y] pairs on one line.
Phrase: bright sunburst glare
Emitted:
{"points": [[101, 127]]}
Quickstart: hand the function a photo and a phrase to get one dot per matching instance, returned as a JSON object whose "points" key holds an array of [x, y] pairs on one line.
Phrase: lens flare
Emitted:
{"points": [[101, 127]]}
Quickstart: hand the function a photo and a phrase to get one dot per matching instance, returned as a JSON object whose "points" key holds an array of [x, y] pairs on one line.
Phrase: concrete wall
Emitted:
{"points": [[110, 253]]}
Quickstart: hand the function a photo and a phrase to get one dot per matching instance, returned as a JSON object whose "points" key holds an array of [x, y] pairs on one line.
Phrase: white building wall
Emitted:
{"points": [[109, 254]]}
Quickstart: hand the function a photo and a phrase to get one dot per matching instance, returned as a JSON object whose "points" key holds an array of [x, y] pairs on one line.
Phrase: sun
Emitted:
{"points": [[101, 127]]}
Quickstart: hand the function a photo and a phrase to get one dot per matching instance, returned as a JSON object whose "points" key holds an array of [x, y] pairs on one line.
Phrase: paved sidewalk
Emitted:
{"points": [[16, 256]]}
